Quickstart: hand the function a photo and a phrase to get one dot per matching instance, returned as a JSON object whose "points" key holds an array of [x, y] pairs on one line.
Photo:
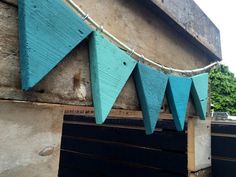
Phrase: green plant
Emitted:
{"points": [[223, 89]]}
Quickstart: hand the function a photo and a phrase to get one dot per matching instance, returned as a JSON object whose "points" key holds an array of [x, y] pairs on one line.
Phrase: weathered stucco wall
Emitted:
{"points": [[30, 139], [194, 23], [69, 82]]}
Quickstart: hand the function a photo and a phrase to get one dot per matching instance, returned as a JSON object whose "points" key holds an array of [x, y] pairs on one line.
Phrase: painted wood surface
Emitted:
{"points": [[48, 31], [118, 148], [223, 148], [80, 165], [150, 86], [110, 68], [130, 122], [178, 90], [199, 91], [164, 139]]}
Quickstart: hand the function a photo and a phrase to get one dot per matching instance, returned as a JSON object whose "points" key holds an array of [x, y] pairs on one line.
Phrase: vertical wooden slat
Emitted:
{"points": [[199, 144]]}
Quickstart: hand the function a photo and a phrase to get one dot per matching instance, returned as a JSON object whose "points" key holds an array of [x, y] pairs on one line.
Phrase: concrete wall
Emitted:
{"points": [[30, 139]]}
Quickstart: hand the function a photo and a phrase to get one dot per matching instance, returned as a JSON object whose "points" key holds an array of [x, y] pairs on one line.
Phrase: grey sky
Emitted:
{"points": [[223, 15]]}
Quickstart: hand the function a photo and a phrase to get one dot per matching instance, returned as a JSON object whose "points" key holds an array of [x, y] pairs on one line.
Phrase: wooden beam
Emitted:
{"points": [[121, 113], [199, 144]]}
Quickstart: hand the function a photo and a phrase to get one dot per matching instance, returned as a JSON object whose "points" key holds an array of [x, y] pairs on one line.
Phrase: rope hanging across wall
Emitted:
{"points": [[131, 51], [50, 29]]}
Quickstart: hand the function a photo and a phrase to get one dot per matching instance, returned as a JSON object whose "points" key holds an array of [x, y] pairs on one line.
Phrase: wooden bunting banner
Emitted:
{"points": [[110, 68], [150, 86], [199, 92], [48, 31], [177, 92]]}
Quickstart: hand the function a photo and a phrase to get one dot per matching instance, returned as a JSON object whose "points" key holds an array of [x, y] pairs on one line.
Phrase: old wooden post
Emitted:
{"points": [[199, 147]]}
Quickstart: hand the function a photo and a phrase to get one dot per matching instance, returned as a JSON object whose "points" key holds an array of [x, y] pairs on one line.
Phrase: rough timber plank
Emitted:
{"points": [[223, 146], [30, 136], [121, 122], [223, 167], [153, 158], [199, 144], [82, 164], [224, 127], [160, 139], [110, 68], [151, 86]]}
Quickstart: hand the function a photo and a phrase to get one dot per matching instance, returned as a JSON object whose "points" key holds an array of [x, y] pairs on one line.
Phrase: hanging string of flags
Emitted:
{"points": [[131, 51], [50, 29]]}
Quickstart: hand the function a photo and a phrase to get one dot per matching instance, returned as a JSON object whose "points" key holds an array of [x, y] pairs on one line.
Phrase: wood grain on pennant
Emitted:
{"points": [[110, 68], [150, 86], [48, 31], [199, 91], [178, 90]]}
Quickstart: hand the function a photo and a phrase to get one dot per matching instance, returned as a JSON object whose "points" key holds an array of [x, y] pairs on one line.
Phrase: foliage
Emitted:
{"points": [[223, 89]]}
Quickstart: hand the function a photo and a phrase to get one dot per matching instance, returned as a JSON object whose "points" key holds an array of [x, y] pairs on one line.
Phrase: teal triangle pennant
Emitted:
{"points": [[178, 90], [48, 31], [199, 92], [110, 68], [150, 86]]}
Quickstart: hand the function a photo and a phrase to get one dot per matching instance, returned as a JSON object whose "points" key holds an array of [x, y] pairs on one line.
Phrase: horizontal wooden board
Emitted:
{"points": [[128, 153], [223, 168], [225, 127], [224, 146], [168, 140], [76, 164], [223, 149], [163, 124]]}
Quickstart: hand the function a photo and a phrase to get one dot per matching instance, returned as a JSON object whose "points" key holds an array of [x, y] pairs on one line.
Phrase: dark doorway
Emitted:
{"points": [[120, 148]]}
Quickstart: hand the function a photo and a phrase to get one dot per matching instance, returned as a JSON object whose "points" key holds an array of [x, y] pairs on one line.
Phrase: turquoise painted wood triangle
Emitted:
{"points": [[48, 31], [177, 92], [199, 91], [110, 68], [150, 85]]}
